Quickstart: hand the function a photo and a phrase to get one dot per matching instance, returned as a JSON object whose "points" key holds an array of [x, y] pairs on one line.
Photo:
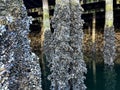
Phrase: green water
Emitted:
{"points": [[98, 77], [104, 78]]}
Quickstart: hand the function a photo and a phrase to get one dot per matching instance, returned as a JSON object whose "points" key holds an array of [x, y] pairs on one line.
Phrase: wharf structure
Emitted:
{"points": [[94, 13]]}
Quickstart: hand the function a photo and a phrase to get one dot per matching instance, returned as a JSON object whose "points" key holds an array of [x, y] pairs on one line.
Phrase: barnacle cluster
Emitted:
{"points": [[109, 45], [64, 47], [19, 66]]}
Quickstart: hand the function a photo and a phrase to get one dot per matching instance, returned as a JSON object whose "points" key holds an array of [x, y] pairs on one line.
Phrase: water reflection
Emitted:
{"points": [[110, 77], [94, 71], [94, 62]]}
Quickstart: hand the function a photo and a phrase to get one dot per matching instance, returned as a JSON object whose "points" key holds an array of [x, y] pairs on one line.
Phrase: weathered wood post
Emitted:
{"points": [[109, 34], [19, 66]]}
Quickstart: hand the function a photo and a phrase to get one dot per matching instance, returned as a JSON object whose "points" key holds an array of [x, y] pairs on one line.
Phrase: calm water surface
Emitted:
{"points": [[98, 77], [103, 77]]}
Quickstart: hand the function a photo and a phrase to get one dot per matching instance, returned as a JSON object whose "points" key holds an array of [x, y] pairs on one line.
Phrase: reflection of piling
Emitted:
{"points": [[94, 70], [110, 77], [94, 48], [94, 66]]}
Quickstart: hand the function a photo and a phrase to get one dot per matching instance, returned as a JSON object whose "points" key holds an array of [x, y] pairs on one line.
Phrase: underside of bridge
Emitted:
{"points": [[91, 8]]}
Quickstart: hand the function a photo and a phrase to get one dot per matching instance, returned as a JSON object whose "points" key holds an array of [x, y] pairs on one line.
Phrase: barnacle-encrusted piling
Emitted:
{"points": [[109, 35], [64, 47], [19, 67]]}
